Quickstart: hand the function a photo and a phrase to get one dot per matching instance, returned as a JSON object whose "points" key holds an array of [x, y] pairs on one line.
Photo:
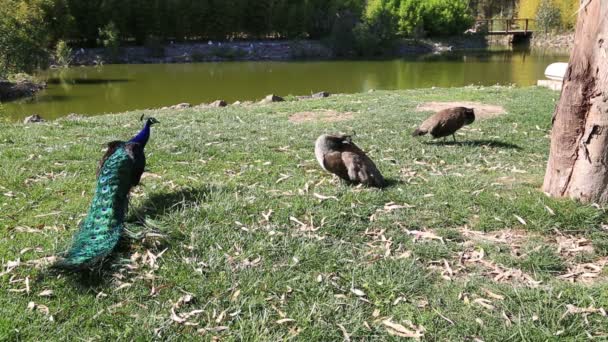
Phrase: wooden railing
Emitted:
{"points": [[505, 26]]}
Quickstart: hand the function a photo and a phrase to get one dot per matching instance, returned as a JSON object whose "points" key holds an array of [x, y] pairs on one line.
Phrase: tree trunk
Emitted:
{"points": [[578, 161]]}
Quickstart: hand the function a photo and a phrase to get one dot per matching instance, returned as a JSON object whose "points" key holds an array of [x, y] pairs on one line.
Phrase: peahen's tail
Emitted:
{"points": [[101, 230]]}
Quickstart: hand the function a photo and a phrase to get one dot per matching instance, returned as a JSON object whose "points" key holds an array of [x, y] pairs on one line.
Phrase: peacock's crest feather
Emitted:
{"points": [[120, 169]]}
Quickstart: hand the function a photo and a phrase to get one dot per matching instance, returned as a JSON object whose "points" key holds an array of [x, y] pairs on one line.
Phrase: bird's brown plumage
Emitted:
{"points": [[446, 122], [340, 156]]}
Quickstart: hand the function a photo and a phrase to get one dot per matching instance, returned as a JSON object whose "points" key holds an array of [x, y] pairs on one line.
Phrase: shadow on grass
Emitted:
{"points": [[163, 203], [157, 205], [480, 143], [391, 182]]}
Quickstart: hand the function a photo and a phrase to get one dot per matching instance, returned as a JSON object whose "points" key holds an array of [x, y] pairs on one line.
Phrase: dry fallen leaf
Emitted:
{"points": [[323, 198], [285, 320], [493, 295], [573, 310], [521, 220], [357, 292], [397, 329], [484, 303], [46, 293], [344, 332], [235, 295]]}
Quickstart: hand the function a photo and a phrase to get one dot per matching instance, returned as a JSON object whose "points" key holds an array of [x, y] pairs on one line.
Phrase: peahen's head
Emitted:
{"points": [[143, 135]]}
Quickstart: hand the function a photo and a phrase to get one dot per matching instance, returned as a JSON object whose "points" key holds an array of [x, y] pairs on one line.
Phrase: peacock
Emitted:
{"points": [[338, 154], [446, 122], [119, 170]]}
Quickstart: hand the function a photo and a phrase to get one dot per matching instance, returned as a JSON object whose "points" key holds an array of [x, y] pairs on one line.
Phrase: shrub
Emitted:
{"points": [[446, 17], [411, 18], [109, 39], [63, 54]]}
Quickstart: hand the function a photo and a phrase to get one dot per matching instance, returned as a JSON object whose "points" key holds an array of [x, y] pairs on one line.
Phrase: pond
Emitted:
{"points": [[118, 88]]}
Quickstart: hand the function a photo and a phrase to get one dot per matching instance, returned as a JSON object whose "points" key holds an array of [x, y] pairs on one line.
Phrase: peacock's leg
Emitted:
{"points": [[454, 137]]}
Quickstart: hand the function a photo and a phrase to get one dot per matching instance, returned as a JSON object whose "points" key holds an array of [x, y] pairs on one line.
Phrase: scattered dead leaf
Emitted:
{"points": [[397, 329]]}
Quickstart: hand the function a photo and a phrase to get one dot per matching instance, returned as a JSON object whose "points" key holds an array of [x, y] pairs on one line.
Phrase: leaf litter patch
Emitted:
{"points": [[472, 259]]}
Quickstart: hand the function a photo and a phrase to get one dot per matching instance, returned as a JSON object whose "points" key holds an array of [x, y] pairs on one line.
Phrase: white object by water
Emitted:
{"points": [[556, 71]]}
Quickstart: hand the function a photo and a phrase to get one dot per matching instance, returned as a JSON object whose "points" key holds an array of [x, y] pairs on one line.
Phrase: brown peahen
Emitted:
{"points": [[446, 122], [340, 156]]}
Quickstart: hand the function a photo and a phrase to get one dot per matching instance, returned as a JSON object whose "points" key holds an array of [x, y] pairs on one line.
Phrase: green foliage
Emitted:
{"points": [[84, 21], [23, 36], [63, 54], [109, 38], [444, 17], [207, 19], [415, 17], [548, 16], [381, 19], [411, 18]]}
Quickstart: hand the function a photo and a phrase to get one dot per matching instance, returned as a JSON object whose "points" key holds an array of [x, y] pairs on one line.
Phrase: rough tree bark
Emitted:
{"points": [[578, 161]]}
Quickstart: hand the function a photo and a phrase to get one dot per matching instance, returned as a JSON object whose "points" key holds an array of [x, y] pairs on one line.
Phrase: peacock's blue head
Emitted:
{"points": [[143, 135], [150, 121]]}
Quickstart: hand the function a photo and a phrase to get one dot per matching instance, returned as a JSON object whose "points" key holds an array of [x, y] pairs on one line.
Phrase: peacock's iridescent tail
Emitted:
{"points": [[101, 230]]}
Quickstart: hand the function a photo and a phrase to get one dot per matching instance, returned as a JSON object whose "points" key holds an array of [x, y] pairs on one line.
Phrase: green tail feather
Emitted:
{"points": [[100, 232]]}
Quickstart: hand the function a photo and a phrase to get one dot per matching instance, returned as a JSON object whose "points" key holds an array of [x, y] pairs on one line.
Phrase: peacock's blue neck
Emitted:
{"points": [[143, 135]]}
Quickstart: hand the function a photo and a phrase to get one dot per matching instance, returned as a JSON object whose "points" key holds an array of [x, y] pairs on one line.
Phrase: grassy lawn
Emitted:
{"points": [[246, 238]]}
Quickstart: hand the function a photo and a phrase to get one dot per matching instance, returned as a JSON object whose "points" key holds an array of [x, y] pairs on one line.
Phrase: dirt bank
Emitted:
{"points": [[15, 90]]}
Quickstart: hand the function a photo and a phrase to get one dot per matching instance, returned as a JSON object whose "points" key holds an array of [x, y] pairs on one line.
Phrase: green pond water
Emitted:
{"points": [[119, 88]]}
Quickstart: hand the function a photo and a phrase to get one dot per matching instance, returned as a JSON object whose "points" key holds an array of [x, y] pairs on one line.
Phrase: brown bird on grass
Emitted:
{"points": [[340, 156], [446, 122]]}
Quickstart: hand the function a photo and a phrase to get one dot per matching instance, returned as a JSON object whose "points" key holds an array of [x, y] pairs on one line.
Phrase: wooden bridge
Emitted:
{"points": [[516, 27]]}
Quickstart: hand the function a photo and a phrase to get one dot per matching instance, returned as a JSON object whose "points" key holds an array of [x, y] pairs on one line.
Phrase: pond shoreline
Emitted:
{"points": [[10, 91], [261, 50]]}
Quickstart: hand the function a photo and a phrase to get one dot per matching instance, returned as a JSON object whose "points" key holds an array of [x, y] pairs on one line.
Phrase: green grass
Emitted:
{"points": [[215, 172]]}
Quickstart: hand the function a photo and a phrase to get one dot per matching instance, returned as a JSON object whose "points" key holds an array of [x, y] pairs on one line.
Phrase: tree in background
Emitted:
{"points": [[443, 17], [23, 37], [411, 22], [547, 16], [578, 166], [58, 18], [567, 8]]}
